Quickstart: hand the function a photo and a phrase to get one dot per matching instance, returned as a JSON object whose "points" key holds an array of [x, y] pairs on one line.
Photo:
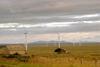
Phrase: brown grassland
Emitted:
{"points": [[46, 57]]}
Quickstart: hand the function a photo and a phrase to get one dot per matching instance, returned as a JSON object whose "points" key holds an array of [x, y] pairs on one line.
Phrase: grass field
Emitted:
{"points": [[46, 57]]}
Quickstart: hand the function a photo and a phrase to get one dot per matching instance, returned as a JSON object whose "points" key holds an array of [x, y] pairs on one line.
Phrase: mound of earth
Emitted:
{"points": [[61, 51]]}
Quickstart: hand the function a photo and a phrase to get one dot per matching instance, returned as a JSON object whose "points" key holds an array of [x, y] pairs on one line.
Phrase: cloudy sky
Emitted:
{"points": [[78, 19]]}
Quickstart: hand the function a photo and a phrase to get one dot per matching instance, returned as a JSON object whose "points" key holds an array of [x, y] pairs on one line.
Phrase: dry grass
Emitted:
{"points": [[45, 56]]}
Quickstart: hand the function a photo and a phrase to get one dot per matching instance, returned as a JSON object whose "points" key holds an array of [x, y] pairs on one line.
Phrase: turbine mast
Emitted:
{"points": [[26, 41], [79, 42], [58, 38], [47, 43], [55, 43], [25, 37], [73, 42], [59, 41]]}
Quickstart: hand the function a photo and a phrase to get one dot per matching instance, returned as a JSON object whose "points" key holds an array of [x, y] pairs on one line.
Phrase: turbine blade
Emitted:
{"points": [[58, 37], [25, 29], [73, 39], [57, 33]]}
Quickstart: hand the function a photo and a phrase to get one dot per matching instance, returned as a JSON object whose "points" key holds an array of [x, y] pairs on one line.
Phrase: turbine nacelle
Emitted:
{"points": [[58, 37], [26, 33]]}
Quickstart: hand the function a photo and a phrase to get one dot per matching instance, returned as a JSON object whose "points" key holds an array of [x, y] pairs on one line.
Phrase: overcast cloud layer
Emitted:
{"points": [[43, 17]]}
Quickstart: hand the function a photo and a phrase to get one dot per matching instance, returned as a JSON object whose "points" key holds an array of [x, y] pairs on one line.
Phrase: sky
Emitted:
{"points": [[72, 19]]}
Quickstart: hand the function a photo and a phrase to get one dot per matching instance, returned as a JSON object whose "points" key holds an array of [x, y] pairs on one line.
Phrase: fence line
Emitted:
{"points": [[81, 62], [70, 62], [96, 62]]}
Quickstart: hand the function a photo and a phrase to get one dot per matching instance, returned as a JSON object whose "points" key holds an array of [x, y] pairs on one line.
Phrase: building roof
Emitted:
{"points": [[15, 47]]}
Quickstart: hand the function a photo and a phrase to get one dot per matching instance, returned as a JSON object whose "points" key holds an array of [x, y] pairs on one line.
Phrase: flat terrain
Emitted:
{"points": [[46, 57]]}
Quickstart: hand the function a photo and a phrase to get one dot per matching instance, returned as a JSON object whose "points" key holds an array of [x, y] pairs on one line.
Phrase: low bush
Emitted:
{"points": [[11, 56], [32, 55], [57, 50], [3, 65], [15, 55], [4, 56], [23, 58]]}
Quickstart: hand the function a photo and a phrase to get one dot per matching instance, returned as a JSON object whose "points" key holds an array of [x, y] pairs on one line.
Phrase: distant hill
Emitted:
{"points": [[48, 42], [90, 42], [60, 42], [52, 41]]}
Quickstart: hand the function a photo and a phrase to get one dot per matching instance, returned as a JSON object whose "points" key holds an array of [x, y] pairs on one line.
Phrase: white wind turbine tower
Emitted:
{"points": [[58, 38], [73, 42], [25, 37], [55, 42], [47, 43], [79, 42]]}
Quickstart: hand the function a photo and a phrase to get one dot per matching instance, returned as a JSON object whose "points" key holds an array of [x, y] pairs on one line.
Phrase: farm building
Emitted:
{"points": [[11, 49]]}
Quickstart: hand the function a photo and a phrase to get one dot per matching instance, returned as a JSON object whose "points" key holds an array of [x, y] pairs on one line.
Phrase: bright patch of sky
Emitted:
{"points": [[7, 25], [52, 24], [12, 29], [65, 16], [87, 16]]}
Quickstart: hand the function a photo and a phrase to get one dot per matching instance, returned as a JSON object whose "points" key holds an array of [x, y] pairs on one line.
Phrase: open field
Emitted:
{"points": [[45, 56]]}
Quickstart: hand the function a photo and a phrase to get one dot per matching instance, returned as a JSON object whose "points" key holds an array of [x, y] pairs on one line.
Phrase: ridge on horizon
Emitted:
{"points": [[52, 41]]}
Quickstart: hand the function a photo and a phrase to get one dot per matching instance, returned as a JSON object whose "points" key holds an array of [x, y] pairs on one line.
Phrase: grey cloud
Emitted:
{"points": [[44, 11], [31, 19], [33, 5], [79, 27], [24, 8]]}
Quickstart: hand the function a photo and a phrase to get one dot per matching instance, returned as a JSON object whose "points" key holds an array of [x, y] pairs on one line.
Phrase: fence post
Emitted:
{"points": [[51, 62], [96, 62], [37, 60], [60, 61], [31, 60], [81, 62], [43, 61], [69, 60]]}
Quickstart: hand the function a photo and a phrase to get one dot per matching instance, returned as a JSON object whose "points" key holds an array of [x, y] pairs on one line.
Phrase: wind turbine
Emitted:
{"points": [[73, 42], [25, 37], [55, 42], [47, 43], [58, 38], [79, 42]]}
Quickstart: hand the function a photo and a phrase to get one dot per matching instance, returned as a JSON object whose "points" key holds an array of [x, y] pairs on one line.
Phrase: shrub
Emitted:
{"points": [[32, 55], [23, 58], [4, 56], [57, 50], [15, 55], [3, 65]]}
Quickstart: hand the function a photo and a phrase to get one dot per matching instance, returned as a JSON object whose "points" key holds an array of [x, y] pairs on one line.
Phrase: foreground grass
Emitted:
{"points": [[16, 64], [45, 57]]}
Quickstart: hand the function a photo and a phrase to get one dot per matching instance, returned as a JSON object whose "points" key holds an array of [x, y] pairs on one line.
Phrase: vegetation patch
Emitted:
{"points": [[57, 50], [17, 56], [8, 63], [60, 51], [24, 58], [2, 46]]}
